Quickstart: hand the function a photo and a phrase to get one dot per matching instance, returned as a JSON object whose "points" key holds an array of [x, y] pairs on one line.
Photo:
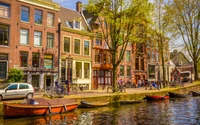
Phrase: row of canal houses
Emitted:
{"points": [[49, 42]]}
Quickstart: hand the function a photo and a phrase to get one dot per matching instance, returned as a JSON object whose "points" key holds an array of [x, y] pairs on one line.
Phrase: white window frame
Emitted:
{"points": [[37, 38], [74, 46], [24, 35], [50, 19], [84, 47], [4, 10], [69, 44]]}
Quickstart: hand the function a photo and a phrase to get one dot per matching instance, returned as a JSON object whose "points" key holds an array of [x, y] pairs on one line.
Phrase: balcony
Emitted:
{"points": [[106, 66], [96, 65]]}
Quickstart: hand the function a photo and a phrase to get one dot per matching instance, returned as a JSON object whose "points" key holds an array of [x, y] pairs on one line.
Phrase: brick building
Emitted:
{"points": [[75, 48], [28, 40]]}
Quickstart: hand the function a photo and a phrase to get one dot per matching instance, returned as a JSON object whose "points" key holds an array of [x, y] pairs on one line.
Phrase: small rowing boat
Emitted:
{"points": [[156, 97], [195, 93], [177, 95], [38, 107], [92, 104]]}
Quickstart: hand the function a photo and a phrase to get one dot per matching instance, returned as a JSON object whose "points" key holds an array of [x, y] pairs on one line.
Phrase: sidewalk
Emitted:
{"points": [[93, 93]]}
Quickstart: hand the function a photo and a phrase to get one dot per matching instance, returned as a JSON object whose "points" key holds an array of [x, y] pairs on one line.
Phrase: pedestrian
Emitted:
{"points": [[155, 86], [67, 85]]}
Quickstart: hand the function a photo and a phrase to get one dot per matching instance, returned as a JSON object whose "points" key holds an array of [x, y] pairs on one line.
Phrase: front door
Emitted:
{"points": [[48, 81], [3, 70]]}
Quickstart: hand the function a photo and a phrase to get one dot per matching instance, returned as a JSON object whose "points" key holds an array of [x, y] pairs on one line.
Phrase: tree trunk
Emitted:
{"points": [[114, 79], [163, 70], [195, 70]]}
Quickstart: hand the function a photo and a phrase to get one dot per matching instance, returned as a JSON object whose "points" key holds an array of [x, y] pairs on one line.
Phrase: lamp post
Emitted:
{"points": [[69, 72]]}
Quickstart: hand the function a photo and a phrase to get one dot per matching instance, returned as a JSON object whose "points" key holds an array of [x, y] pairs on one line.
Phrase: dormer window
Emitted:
{"points": [[73, 24], [77, 25]]}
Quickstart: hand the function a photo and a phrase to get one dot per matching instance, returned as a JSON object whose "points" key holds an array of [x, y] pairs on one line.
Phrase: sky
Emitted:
{"points": [[69, 3]]}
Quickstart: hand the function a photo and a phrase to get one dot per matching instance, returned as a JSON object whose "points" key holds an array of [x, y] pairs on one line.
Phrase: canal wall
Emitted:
{"points": [[115, 97]]}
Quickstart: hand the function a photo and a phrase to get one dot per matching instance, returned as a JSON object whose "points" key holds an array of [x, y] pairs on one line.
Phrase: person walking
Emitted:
{"points": [[67, 86]]}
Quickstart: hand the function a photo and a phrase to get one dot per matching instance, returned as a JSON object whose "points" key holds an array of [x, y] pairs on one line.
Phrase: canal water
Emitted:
{"points": [[168, 112]]}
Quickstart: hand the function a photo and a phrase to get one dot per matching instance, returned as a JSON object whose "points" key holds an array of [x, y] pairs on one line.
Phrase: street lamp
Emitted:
{"points": [[69, 71]]}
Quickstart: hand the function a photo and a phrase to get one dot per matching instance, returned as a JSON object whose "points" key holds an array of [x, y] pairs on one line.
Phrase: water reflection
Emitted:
{"points": [[168, 112]]}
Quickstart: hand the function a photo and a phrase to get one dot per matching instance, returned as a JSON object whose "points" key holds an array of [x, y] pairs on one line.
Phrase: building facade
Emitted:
{"points": [[28, 38], [75, 48]]}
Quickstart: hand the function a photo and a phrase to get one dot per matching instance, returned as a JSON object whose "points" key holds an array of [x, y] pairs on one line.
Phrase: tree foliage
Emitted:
{"points": [[123, 19], [185, 16], [15, 75]]}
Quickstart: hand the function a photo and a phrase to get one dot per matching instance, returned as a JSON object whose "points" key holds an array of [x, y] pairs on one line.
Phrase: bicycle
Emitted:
{"points": [[59, 91]]}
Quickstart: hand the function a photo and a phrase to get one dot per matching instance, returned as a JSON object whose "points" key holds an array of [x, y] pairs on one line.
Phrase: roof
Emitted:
{"points": [[71, 15], [90, 18], [180, 57]]}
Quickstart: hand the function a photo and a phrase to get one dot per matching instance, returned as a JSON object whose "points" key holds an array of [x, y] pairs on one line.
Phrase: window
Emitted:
{"points": [[128, 70], [48, 61], [151, 70], [77, 46], [37, 38], [153, 56], [24, 14], [4, 10], [136, 63], [142, 63], [86, 48], [50, 19], [108, 58], [77, 24], [128, 56], [4, 34], [38, 16], [97, 57], [121, 70], [148, 55], [23, 86], [50, 39], [13, 87], [35, 80], [35, 59], [86, 70], [67, 44], [98, 41], [23, 59], [24, 36], [78, 69], [71, 24]]}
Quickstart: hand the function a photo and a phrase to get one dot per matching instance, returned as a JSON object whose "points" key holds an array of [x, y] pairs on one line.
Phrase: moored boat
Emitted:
{"points": [[154, 97], [130, 101], [93, 104], [177, 95], [195, 93], [38, 107]]}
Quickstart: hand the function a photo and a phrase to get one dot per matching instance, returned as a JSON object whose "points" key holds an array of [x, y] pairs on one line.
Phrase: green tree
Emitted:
{"points": [[15, 75], [122, 18], [185, 16], [162, 34]]}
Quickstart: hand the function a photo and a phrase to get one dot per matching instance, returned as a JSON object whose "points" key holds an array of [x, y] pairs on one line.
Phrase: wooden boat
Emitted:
{"points": [[154, 97], [177, 95], [130, 101], [195, 93], [93, 104], [38, 107]]}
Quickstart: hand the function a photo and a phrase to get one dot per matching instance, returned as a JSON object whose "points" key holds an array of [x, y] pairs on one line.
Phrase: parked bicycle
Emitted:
{"points": [[57, 91]]}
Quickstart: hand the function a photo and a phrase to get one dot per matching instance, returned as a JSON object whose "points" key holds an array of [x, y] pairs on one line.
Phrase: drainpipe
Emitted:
{"points": [[59, 35]]}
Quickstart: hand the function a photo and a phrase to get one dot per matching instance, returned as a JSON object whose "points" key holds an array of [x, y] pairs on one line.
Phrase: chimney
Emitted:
{"points": [[78, 6]]}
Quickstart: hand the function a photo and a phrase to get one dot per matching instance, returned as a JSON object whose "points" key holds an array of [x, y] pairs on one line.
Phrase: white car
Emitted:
{"points": [[16, 90]]}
